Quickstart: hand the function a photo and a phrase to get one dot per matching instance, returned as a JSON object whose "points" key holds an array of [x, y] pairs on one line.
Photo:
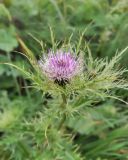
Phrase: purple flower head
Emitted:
{"points": [[61, 66]]}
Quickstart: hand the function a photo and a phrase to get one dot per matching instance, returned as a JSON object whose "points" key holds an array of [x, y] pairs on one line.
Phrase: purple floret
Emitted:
{"points": [[61, 66]]}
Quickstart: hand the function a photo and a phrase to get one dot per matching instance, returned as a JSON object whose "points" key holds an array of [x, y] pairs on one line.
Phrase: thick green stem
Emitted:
{"points": [[63, 105]]}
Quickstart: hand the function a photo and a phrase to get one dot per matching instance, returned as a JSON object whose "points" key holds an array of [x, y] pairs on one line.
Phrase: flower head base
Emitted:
{"points": [[61, 66]]}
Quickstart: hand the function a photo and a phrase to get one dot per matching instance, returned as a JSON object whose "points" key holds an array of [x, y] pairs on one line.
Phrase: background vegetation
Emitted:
{"points": [[102, 132]]}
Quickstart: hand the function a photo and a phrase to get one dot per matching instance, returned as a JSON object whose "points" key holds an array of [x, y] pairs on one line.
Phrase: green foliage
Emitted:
{"points": [[87, 120], [104, 130], [8, 41], [7, 33], [107, 22]]}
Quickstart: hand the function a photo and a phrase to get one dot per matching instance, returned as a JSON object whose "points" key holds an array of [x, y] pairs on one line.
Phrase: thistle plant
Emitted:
{"points": [[75, 81]]}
